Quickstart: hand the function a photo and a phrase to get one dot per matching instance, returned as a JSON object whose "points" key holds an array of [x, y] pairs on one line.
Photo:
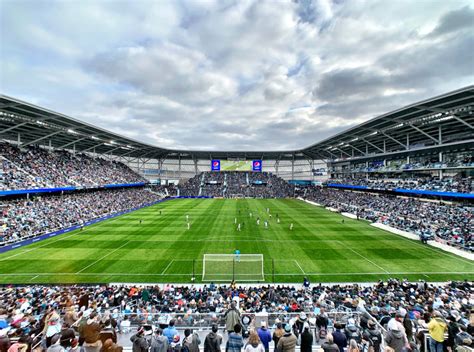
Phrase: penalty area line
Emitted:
{"points": [[299, 266], [104, 256], [167, 267]]}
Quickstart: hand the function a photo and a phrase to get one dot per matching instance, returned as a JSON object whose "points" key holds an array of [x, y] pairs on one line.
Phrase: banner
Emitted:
{"points": [[215, 165], [257, 165]]}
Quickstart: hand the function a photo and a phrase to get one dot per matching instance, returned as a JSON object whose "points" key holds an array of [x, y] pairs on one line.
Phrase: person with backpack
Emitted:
{"points": [[159, 343], [352, 331], [191, 341], [212, 343], [374, 335]]}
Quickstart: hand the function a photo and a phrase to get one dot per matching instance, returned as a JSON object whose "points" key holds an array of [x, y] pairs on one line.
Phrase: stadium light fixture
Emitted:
{"points": [[355, 139], [95, 138], [373, 133], [71, 131], [112, 142]]}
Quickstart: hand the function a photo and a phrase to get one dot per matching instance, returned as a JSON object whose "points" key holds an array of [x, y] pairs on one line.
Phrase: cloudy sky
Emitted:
{"points": [[247, 75]]}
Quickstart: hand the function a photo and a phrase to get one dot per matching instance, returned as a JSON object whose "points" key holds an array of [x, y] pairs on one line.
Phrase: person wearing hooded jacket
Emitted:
{"points": [[56, 344], [306, 339], [374, 335], [395, 338], [159, 343], [287, 342], [264, 335], [191, 340], [212, 343], [352, 331], [139, 342]]}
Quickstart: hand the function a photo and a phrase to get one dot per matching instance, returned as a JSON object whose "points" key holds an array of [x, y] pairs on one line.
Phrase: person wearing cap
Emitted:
{"points": [[212, 342], [374, 335], [436, 329], [139, 342], [395, 338], [306, 339], [287, 342], [264, 335]]}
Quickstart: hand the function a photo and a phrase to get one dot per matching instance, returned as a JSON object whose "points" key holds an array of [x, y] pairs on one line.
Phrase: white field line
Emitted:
{"points": [[34, 277], [364, 257], [164, 271], [286, 274], [59, 239], [104, 256], [299, 266]]}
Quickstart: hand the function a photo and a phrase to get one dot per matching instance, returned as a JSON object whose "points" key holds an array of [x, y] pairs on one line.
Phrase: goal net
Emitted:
{"points": [[227, 267]]}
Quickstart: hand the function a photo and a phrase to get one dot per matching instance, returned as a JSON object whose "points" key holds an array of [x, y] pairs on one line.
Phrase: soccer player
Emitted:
{"points": [[238, 227], [141, 221], [258, 221], [187, 217], [266, 224], [237, 255], [291, 227], [278, 220], [160, 212], [235, 220], [189, 225], [342, 221], [250, 214]]}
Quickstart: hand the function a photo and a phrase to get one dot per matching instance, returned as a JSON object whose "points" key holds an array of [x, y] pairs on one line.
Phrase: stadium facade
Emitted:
{"points": [[424, 137]]}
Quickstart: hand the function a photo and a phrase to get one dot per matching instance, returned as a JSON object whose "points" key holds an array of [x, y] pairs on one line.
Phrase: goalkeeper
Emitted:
{"points": [[237, 255]]}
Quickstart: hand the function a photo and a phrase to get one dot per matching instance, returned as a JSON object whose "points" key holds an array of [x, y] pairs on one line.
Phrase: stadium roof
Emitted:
{"points": [[414, 127]]}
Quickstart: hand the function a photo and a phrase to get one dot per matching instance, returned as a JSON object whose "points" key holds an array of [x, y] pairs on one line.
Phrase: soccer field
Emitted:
{"points": [[162, 249]]}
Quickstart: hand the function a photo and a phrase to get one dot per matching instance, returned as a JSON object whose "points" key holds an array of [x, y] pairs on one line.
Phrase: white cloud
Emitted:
{"points": [[232, 74]]}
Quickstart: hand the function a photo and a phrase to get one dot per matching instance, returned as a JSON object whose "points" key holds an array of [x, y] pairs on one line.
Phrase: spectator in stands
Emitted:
{"points": [[55, 344], [395, 338], [213, 340], [306, 339], [159, 343], [329, 345], [287, 342], [277, 334], [191, 341], [139, 342], [235, 342], [254, 344], [374, 335], [264, 335], [110, 346], [92, 328], [232, 317], [437, 328], [170, 331], [339, 337]]}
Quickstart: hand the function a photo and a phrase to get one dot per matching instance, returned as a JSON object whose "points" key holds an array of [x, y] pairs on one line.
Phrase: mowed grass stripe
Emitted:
{"points": [[161, 249]]}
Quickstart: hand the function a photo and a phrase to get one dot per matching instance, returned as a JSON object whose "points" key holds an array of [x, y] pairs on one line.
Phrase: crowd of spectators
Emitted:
{"points": [[447, 184], [453, 223], [88, 316], [230, 184], [36, 167], [24, 218]]}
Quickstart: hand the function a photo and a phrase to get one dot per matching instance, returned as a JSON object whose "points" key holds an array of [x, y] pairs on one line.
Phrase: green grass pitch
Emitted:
{"points": [[162, 249]]}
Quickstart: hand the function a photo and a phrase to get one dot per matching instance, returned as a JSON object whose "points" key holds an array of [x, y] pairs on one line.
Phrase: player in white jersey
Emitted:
{"points": [[238, 227], [266, 224], [291, 226]]}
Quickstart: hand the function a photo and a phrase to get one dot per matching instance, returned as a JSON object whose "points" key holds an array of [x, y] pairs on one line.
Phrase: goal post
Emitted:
{"points": [[228, 267]]}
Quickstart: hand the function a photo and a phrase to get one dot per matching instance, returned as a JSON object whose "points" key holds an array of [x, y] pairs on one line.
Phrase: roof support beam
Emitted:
{"points": [[342, 151], [373, 145], [41, 138], [360, 151], [68, 144], [464, 122], [13, 127], [423, 132], [395, 140], [90, 148]]}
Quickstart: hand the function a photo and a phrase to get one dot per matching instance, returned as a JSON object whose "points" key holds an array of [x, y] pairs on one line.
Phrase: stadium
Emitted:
{"points": [[359, 241]]}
